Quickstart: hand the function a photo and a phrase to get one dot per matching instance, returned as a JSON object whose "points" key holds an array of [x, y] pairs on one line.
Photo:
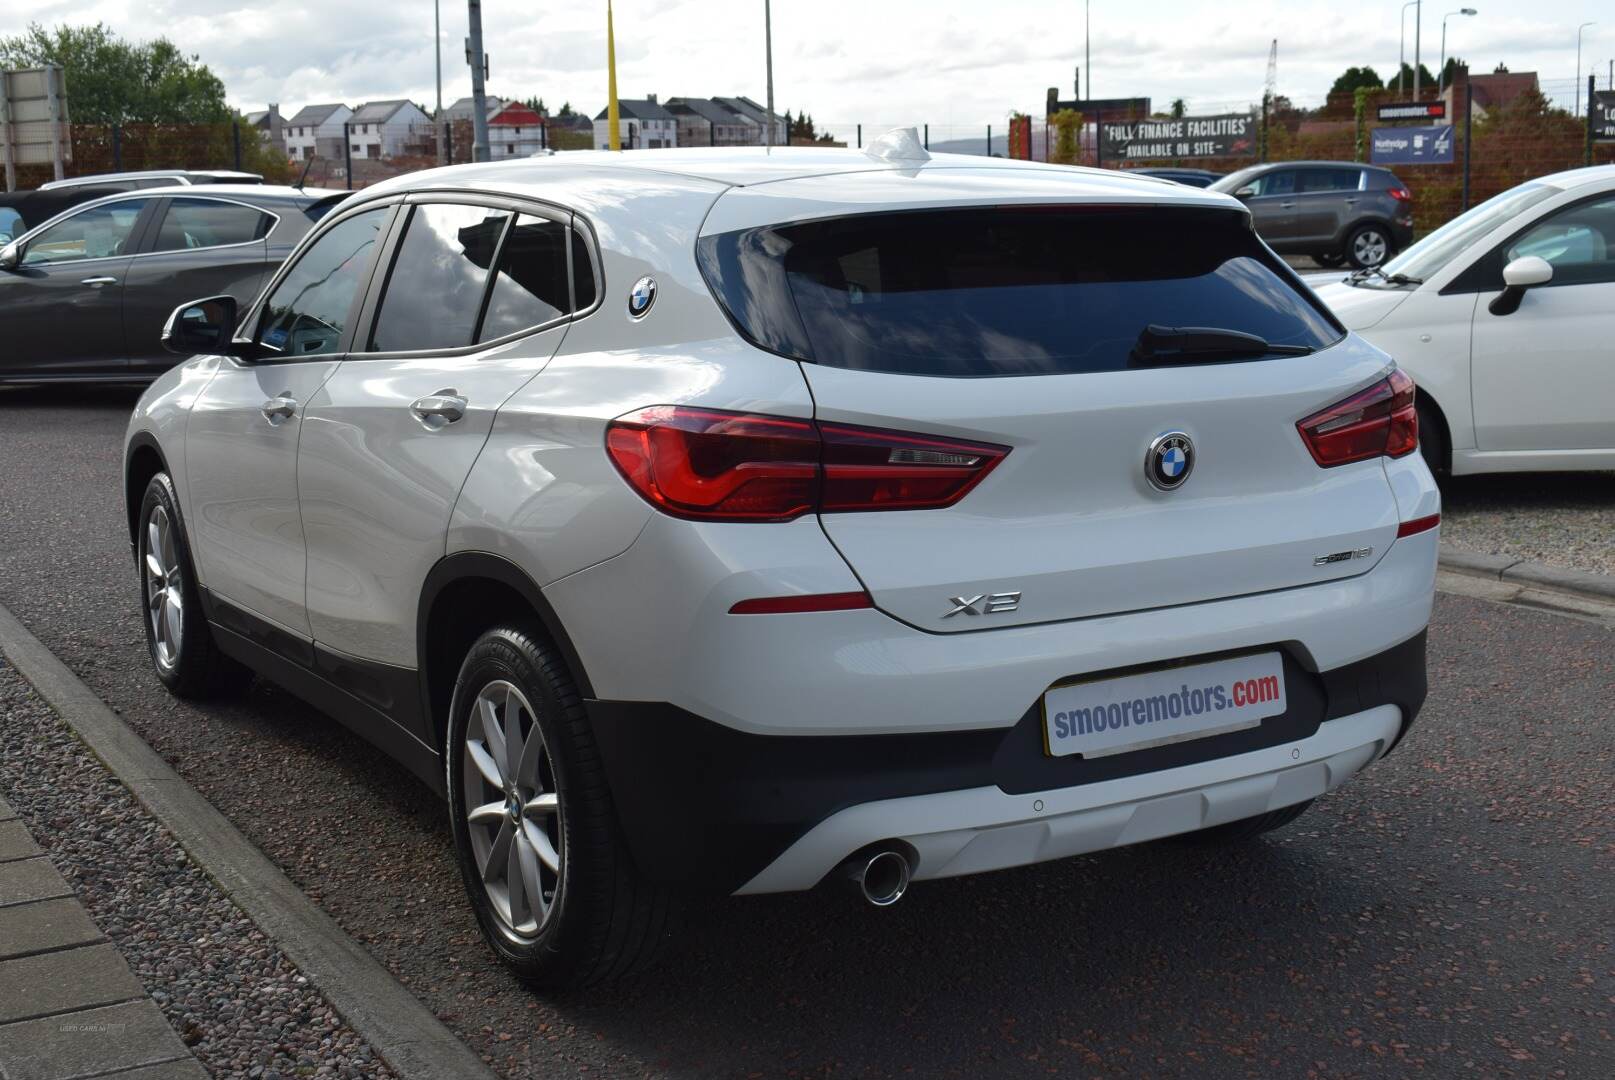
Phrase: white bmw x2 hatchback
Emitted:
{"points": [[736, 520]]}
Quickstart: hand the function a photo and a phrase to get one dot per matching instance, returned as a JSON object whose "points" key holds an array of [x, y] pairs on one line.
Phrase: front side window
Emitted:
{"points": [[308, 310], [1281, 182], [99, 232], [201, 223], [979, 292], [1578, 241], [435, 290], [11, 225]]}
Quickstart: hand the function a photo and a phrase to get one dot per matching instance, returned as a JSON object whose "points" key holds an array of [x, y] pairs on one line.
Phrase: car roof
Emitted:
{"points": [[250, 193], [1570, 178], [146, 174], [722, 167]]}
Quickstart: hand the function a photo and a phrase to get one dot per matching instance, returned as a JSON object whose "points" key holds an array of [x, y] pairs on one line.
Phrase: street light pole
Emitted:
{"points": [[437, 114], [1441, 76], [1579, 29], [1087, 48], [1418, 24], [768, 50], [474, 54], [1402, 47]]}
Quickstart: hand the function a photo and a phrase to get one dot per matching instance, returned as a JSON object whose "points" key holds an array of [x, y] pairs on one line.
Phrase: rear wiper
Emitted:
{"points": [[1170, 344], [1374, 271]]}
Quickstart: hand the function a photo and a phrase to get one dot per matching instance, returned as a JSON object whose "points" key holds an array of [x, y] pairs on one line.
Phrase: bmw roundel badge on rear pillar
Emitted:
{"points": [[1170, 461], [641, 297]]}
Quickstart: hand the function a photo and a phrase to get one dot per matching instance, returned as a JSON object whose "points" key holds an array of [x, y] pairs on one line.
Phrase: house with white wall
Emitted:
{"points": [[515, 131], [642, 124], [386, 129], [316, 131]]}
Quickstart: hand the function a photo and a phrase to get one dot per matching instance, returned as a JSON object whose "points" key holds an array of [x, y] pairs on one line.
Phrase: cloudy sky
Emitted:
{"points": [[955, 64]]}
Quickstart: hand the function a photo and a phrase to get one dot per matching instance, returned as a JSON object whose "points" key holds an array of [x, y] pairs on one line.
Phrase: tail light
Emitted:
{"points": [[1401, 194], [711, 465], [1380, 421]]}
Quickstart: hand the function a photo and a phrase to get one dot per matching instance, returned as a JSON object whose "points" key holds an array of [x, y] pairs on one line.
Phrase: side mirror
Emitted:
{"points": [[201, 326], [11, 256], [1245, 192], [1521, 274]]}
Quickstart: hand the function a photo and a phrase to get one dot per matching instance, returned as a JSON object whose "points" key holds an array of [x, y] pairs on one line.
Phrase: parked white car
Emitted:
{"points": [[734, 520], [1505, 317]]}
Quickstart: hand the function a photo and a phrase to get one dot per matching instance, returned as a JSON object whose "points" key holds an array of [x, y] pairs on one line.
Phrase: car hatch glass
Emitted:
{"points": [[201, 223]]}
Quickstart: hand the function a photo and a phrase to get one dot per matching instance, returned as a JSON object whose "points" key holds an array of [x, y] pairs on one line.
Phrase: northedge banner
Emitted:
{"points": [[1412, 146], [1230, 135]]}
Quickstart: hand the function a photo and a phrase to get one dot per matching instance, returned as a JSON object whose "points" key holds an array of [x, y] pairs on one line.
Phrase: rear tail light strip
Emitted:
{"points": [[1380, 421], [1417, 525], [780, 605], [714, 465]]}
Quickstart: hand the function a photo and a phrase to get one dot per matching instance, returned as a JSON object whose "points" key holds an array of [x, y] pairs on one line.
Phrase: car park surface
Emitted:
{"points": [[1443, 913]]}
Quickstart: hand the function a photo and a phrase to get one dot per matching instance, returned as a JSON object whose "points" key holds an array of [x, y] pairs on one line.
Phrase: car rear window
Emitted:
{"points": [[1004, 291]]}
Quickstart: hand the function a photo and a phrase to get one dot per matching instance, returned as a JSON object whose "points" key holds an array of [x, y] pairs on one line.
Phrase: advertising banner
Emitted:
{"points": [[1602, 113], [1412, 110], [1413, 146], [1231, 135]]}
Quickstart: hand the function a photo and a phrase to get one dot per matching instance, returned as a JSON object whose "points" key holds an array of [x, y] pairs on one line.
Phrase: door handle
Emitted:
{"points": [[278, 410], [439, 410], [99, 281], [1351, 202], [1286, 206]]}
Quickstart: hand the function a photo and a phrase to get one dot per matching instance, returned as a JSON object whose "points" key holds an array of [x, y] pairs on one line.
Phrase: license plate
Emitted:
{"points": [[1113, 716]]}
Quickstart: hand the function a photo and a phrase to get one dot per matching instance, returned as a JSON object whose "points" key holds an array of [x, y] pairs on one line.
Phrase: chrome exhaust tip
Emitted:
{"points": [[881, 876]]}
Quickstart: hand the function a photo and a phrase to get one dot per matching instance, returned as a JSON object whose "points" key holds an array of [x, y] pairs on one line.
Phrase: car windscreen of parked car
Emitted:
{"points": [[1439, 248], [1004, 290]]}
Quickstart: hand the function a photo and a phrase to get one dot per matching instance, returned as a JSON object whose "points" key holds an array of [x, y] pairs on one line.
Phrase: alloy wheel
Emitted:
{"points": [[165, 599], [512, 809], [1370, 247]]}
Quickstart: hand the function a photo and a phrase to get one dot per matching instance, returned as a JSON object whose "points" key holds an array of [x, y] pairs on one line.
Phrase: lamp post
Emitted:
{"points": [[1418, 24], [1579, 29], [768, 50], [1441, 78], [1402, 47]]}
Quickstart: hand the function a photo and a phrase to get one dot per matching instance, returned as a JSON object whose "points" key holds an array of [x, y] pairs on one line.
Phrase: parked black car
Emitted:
{"points": [[1334, 211], [85, 295], [1191, 177]]}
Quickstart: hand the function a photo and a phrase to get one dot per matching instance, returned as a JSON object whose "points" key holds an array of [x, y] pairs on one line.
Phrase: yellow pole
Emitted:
{"points": [[613, 132]]}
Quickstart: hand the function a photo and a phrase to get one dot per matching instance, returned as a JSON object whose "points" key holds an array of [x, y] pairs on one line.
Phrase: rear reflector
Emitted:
{"points": [[1417, 525], [712, 465], [1380, 421], [779, 605]]}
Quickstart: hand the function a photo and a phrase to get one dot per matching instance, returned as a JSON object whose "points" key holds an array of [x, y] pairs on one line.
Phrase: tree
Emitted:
{"points": [[1449, 70], [1180, 108], [1067, 136], [1354, 77], [112, 81], [1425, 78]]}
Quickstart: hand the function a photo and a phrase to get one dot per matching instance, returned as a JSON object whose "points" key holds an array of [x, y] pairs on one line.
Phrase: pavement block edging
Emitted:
{"points": [[399, 1028], [1508, 568]]}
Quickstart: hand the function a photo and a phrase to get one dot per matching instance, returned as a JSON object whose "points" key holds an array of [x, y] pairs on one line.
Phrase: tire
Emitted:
{"points": [[1432, 442], [595, 918], [1369, 245], [181, 645], [1329, 259], [1237, 832]]}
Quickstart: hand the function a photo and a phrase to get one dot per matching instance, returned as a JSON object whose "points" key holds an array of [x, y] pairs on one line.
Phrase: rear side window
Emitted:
{"points": [[1312, 181], [531, 287], [435, 291], [203, 223], [1004, 291]]}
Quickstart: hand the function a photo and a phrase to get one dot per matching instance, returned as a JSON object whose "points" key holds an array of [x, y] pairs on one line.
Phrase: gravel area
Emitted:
{"points": [[1563, 519], [233, 998]]}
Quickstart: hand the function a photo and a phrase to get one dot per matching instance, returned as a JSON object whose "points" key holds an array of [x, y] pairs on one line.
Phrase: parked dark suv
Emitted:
{"points": [[1334, 211]]}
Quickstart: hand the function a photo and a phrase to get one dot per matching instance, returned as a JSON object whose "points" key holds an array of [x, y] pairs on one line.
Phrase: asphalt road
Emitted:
{"points": [[1449, 913]]}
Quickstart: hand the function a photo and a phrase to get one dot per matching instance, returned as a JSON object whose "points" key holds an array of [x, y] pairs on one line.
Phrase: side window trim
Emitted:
{"points": [[376, 290]]}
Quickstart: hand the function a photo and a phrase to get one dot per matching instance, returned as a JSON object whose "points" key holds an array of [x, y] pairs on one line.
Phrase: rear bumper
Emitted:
{"points": [[709, 807]]}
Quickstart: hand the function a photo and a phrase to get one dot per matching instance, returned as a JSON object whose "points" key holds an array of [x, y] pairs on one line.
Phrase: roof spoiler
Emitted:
{"points": [[319, 208]]}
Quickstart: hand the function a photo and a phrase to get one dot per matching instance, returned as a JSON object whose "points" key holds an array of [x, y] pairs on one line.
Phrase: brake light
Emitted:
{"points": [[1401, 194], [1380, 421], [1417, 525], [713, 465]]}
